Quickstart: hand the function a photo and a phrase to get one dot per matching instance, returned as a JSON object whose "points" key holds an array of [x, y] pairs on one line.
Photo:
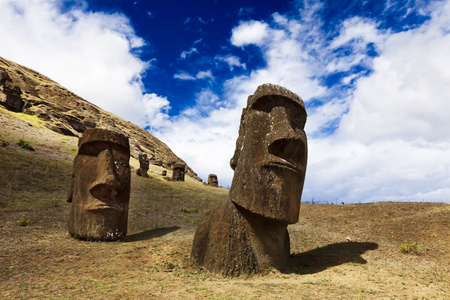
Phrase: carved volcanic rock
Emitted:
{"points": [[249, 232], [68, 114]]}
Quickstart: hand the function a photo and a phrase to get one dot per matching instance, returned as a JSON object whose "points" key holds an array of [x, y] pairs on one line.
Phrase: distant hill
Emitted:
{"points": [[29, 92]]}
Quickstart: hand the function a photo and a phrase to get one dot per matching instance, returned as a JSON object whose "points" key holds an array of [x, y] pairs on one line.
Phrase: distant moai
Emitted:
{"points": [[179, 169], [212, 180], [11, 97], [100, 186], [143, 165], [249, 233]]}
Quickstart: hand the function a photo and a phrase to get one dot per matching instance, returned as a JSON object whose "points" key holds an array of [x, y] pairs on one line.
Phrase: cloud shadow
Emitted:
{"points": [[150, 234], [319, 259]]}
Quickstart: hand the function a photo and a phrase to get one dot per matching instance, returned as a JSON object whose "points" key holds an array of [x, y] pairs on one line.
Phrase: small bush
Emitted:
{"points": [[23, 221], [3, 143], [25, 145], [189, 210], [408, 247]]}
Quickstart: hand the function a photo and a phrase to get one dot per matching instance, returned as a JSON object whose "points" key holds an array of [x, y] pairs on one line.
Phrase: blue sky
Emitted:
{"points": [[373, 74]]}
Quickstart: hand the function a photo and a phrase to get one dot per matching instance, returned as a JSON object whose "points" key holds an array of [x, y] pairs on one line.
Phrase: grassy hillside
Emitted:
{"points": [[365, 251]]}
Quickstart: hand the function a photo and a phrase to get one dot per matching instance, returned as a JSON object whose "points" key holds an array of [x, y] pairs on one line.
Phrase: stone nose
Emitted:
{"points": [[106, 186], [281, 125], [283, 140]]}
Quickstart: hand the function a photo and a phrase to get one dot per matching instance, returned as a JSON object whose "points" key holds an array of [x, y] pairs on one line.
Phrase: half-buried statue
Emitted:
{"points": [[249, 233], [100, 187]]}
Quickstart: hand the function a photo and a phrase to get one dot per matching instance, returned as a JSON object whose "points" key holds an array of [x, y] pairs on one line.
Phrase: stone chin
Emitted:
{"points": [[274, 192]]}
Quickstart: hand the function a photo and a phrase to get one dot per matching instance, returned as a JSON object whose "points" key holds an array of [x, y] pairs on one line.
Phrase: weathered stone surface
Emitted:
{"points": [[100, 187], [10, 94], [144, 165], [179, 169], [212, 180], [249, 232]]}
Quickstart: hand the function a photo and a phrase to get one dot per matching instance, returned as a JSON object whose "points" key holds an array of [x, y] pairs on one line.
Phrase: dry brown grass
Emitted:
{"points": [[338, 251]]}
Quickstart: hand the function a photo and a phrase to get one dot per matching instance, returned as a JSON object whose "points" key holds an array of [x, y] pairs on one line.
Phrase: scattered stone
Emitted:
{"points": [[144, 165], [164, 173], [212, 180], [249, 233], [100, 186]]}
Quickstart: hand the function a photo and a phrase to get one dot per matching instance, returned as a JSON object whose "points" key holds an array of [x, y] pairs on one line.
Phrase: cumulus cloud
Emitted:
{"points": [[392, 144], [251, 32], [91, 53], [374, 136]]}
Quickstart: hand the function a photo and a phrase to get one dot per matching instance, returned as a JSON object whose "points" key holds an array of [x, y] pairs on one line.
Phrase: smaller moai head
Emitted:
{"points": [[179, 169], [144, 165], [269, 162], [100, 187], [212, 180], [13, 101]]}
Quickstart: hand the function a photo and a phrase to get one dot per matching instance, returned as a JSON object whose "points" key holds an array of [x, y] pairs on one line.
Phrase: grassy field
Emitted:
{"points": [[363, 251]]}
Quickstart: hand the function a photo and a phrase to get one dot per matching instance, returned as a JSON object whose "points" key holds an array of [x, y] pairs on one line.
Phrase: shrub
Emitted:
{"points": [[25, 145], [189, 210], [408, 247], [23, 221]]}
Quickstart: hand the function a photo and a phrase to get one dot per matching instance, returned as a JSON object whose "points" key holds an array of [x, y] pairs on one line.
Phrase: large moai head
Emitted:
{"points": [[212, 180], [100, 188], [269, 162], [179, 169]]}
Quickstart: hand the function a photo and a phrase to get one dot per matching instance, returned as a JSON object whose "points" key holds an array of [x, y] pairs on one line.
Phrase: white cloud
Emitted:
{"points": [[251, 32], [200, 75], [391, 141], [185, 54], [184, 76], [393, 144], [357, 33], [231, 60], [90, 53]]}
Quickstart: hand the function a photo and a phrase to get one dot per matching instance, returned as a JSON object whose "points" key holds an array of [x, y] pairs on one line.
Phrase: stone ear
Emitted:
{"points": [[237, 152]]}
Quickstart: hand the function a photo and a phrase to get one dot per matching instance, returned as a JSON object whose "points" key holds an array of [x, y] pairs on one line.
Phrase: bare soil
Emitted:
{"points": [[337, 251]]}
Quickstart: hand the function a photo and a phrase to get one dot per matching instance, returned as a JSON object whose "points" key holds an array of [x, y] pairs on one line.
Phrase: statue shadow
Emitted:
{"points": [[150, 234], [319, 259]]}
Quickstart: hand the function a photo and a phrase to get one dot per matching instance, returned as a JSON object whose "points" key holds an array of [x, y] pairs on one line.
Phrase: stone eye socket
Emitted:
{"points": [[296, 113]]}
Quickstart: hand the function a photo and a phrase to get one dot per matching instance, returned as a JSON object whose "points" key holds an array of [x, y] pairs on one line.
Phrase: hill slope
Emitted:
{"points": [[66, 113]]}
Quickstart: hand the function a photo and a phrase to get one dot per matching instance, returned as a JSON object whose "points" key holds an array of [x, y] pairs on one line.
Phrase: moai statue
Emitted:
{"points": [[249, 233], [212, 180], [144, 165], [100, 187], [179, 169], [11, 97]]}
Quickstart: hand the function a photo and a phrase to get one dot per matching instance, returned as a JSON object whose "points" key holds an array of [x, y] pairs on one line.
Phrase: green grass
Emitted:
{"points": [[409, 248], [25, 145], [30, 181]]}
